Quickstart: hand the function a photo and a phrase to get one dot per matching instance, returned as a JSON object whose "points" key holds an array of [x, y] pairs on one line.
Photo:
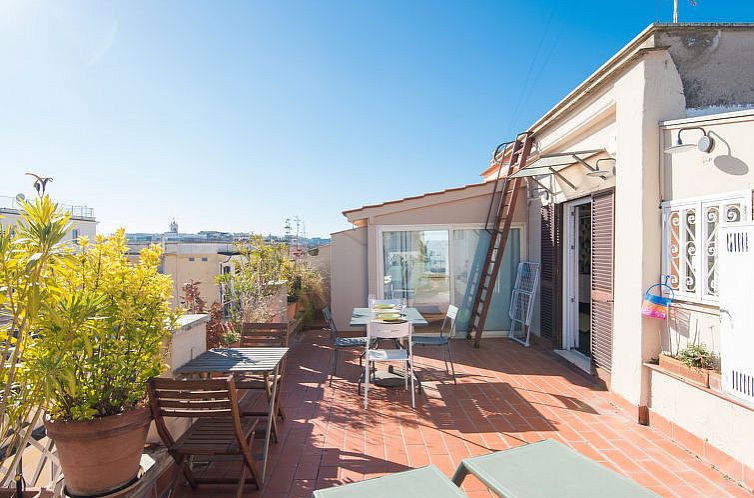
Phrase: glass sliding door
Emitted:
{"points": [[469, 250], [416, 268]]}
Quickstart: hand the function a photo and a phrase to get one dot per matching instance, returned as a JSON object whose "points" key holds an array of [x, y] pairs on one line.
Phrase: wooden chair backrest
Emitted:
{"points": [[255, 335], [195, 398]]}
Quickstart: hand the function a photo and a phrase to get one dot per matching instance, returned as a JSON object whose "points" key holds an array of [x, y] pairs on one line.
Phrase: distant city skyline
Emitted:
{"points": [[231, 115]]}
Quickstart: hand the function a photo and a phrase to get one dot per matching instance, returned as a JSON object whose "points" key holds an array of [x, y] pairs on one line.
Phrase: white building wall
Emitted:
{"points": [[649, 92], [728, 168], [348, 274], [85, 227]]}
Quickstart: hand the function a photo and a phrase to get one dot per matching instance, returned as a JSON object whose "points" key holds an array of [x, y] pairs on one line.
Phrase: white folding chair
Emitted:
{"points": [[395, 331]]}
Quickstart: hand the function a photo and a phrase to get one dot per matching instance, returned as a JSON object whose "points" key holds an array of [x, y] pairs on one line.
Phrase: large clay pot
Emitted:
{"points": [[101, 455], [292, 308]]}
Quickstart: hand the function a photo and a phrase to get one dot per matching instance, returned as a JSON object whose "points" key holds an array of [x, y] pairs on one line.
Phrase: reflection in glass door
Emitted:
{"points": [[469, 250], [416, 268]]}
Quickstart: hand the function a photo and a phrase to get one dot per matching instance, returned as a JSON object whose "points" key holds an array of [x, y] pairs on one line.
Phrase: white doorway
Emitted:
{"points": [[577, 279]]}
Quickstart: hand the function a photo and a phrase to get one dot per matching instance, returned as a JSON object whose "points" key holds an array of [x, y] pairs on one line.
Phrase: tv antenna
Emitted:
{"points": [[675, 9]]}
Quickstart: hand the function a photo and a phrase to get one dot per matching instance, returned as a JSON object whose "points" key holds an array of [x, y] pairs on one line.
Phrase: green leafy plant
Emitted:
{"points": [[102, 336], [191, 298], [696, 356], [32, 252], [308, 288], [249, 289], [215, 326]]}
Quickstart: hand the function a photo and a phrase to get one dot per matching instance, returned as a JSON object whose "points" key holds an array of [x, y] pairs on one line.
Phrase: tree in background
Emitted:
{"points": [[217, 332], [191, 298], [249, 289]]}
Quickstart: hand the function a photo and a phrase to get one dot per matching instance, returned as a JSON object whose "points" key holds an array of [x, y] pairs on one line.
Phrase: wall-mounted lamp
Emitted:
{"points": [[705, 143], [601, 172]]}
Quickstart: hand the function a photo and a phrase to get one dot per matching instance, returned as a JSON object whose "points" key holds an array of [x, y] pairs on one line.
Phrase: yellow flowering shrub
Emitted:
{"points": [[102, 338]]}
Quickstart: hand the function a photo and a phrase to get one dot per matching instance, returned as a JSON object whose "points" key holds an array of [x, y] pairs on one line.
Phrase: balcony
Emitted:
{"points": [[506, 396]]}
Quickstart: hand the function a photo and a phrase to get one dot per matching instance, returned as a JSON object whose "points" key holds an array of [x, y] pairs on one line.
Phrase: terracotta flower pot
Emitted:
{"points": [[696, 375], [715, 381], [292, 308], [101, 455]]}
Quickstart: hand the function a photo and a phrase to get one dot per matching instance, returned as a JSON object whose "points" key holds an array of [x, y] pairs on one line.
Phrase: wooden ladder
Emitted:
{"points": [[500, 213]]}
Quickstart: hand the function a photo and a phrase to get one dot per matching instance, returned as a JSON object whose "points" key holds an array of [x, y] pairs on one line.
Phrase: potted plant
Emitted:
{"points": [[715, 381], [32, 252], [309, 288], [100, 339], [252, 289], [294, 294], [694, 362]]}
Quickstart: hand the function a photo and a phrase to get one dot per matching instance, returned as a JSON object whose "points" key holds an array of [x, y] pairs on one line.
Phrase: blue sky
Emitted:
{"points": [[236, 115]]}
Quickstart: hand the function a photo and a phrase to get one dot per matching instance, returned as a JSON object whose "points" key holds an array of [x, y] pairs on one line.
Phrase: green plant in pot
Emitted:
{"points": [[32, 252], [100, 339], [251, 289], [696, 356]]}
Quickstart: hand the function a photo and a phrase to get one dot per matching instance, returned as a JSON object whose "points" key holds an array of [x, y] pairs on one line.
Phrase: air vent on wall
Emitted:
{"points": [[736, 286]]}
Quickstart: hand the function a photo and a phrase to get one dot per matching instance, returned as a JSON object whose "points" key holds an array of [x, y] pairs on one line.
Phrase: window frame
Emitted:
{"points": [[700, 243], [450, 227]]}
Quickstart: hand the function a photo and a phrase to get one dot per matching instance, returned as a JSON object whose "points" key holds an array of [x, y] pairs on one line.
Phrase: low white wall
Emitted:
{"points": [[188, 341], [725, 425]]}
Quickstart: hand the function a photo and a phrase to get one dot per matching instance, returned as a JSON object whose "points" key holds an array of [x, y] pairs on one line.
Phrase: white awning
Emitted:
{"points": [[549, 164]]}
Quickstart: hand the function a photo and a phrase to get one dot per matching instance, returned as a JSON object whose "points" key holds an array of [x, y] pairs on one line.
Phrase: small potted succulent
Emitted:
{"points": [[101, 336]]}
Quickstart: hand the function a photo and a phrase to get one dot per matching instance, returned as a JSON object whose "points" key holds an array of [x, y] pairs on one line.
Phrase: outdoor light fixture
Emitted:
{"points": [[705, 143], [599, 172]]}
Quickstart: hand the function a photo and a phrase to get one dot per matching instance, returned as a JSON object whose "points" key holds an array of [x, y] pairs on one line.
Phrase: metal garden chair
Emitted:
{"points": [[339, 342], [396, 331], [447, 331]]}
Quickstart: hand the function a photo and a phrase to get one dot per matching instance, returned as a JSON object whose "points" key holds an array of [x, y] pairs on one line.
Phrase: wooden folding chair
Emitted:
{"points": [[219, 429], [262, 335]]}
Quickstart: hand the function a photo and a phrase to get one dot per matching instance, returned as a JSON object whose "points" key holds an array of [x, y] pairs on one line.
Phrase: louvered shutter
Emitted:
{"points": [[550, 316], [603, 236]]}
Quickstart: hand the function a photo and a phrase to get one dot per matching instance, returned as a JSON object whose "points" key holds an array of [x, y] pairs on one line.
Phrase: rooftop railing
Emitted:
{"points": [[8, 203]]}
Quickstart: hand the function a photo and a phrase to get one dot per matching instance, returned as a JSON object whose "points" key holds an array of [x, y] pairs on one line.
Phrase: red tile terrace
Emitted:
{"points": [[506, 395]]}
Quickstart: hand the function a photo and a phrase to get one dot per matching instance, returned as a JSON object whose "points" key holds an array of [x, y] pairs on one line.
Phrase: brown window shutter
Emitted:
{"points": [[550, 315], [603, 237]]}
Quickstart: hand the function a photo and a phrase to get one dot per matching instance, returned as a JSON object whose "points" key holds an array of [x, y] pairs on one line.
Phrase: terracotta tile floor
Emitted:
{"points": [[506, 396]]}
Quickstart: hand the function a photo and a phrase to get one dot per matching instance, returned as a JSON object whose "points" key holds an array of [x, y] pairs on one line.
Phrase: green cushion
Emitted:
{"points": [[546, 469], [426, 482]]}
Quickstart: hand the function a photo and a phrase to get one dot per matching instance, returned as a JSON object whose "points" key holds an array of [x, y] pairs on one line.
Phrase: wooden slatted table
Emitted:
{"points": [[243, 360]]}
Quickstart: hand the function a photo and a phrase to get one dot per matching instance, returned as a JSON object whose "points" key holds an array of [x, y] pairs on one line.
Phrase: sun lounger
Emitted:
{"points": [[418, 483], [546, 469]]}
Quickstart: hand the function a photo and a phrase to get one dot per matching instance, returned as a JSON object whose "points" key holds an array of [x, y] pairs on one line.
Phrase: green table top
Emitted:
{"points": [[549, 468], [418, 483]]}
